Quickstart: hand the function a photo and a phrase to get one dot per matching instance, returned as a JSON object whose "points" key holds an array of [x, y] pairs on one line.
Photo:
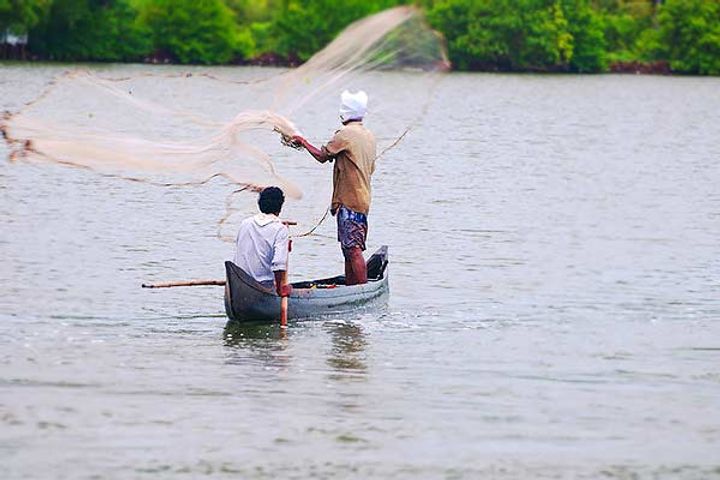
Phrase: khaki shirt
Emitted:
{"points": [[354, 150]]}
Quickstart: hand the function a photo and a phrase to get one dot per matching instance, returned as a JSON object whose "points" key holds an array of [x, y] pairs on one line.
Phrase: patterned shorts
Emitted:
{"points": [[352, 228]]}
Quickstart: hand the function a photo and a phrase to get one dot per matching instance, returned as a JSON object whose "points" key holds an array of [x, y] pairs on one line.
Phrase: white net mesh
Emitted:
{"points": [[185, 129]]}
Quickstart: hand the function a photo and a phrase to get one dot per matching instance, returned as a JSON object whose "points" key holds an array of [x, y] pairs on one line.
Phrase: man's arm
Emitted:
{"points": [[320, 154], [281, 251], [282, 288]]}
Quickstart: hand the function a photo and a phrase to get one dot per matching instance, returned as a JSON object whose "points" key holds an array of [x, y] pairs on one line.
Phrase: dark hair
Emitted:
{"points": [[271, 200]]}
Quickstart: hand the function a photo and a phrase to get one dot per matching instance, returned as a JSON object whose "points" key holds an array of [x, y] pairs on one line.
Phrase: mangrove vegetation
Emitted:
{"points": [[680, 36]]}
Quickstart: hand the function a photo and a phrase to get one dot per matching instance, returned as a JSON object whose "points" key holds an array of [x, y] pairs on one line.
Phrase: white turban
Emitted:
{"points": [[353, 106]]}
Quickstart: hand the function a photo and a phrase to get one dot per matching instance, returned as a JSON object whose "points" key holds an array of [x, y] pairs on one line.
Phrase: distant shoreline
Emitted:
{"points": [[19, 53], [274, 60]]}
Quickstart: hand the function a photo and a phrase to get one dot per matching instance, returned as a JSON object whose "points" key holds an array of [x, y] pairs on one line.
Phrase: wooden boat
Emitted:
{"points": [[248, 301]]}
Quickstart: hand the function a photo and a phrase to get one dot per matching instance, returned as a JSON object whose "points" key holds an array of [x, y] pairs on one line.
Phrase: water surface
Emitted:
{"points": [[554, 308]]}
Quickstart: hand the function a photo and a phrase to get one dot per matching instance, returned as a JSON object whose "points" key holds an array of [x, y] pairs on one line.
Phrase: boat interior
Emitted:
{"points": [[376, 267]]}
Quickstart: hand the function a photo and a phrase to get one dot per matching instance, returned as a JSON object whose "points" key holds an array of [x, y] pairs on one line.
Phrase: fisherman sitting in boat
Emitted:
{"points": [[263, 243], [354, 150]]}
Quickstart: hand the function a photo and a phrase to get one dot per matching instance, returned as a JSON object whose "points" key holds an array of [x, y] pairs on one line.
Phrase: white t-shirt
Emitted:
{"points": [[262, 247]]}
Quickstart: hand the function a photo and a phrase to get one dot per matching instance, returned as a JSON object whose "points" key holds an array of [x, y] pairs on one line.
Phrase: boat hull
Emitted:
{"points": [[248, 301]]}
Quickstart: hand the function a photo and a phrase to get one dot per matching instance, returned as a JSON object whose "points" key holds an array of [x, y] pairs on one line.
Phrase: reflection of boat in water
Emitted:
{"points": [[263, 343], [248, 301]]}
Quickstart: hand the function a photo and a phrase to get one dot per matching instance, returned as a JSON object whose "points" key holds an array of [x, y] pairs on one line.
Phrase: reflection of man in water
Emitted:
{"points": [[354, 150], [262, 243]]}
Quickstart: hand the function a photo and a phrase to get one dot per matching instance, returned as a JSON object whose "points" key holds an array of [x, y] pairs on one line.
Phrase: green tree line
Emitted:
{"points": [[503, 35]]}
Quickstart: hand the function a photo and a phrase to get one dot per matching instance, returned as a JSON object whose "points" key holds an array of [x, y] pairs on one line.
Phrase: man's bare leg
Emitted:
{"points": [[349, 277], [358, 268]]}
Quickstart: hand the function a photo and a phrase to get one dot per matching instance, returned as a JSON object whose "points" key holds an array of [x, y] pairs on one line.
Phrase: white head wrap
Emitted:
{"points": [[353, 106]]}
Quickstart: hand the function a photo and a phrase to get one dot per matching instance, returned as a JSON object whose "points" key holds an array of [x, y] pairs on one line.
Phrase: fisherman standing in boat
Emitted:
{"points": [[263, 243], [354, 150]]}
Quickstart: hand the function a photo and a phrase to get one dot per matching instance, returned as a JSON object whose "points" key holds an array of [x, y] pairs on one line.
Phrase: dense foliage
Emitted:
{"points": [[89, 30], [195, 31], [304, 26], [521, 34], [16, 16], [690, 35], [507, 35]]}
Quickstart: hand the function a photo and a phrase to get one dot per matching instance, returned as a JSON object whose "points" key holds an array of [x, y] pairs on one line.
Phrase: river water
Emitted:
{"points": [[554, 308]]}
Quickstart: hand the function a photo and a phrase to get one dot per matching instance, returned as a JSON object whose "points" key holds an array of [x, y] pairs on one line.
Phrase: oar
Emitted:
{"points": [[284, 300], [283, 312], [189, 283], [198, 283]]}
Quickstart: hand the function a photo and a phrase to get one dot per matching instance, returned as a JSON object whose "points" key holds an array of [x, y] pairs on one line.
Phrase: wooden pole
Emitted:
{"points": [[284, 300], [283, 312], [189, 283]]}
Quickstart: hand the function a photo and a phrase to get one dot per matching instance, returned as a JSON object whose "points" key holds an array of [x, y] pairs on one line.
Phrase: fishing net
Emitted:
{"points": [[185, 128]]}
